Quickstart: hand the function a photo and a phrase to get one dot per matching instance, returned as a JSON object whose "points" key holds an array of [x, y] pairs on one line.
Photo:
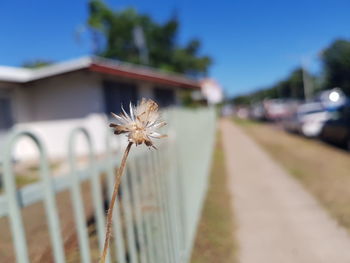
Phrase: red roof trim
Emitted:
{"points": [[142, 76]]}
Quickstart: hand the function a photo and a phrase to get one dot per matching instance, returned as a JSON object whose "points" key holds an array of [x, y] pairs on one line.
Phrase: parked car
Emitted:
{"points": [[279, 109], [257, 111], [242, 112], [337, 129], [308, 120], [332, 98]]}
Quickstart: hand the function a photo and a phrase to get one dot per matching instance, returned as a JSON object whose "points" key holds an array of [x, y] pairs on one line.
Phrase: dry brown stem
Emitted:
{"points": [[111, 205]]}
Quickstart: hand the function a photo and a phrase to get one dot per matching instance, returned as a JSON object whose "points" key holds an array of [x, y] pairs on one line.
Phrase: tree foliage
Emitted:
{"points": [[290, 87], [113, 36], [336, 69], [336, 62], [37, 63]]}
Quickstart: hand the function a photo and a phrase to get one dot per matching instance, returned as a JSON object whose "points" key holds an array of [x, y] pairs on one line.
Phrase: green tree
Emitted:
{"points": [[113, 37], [336, 62], [291, 87]]}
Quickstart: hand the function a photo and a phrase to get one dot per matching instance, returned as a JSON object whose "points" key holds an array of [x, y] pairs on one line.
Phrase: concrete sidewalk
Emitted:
{"points": [[277, 220]]}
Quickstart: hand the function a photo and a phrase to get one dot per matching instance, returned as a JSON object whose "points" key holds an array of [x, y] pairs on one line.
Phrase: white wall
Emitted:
{"points": [[53, 107], [55, 136], [69, 96]]}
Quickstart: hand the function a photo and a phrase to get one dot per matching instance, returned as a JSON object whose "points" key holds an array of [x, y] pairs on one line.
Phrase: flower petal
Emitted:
{"points": [[131, 111], [118, 118], [156, 135], [126, 116], [156, 125]]}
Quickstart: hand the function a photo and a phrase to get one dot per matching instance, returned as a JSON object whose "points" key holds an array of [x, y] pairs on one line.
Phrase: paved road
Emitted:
{"points": [[277, 220]]}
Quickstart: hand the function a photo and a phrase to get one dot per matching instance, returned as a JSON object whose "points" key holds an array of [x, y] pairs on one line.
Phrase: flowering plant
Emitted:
{"points": [[140, 126]]}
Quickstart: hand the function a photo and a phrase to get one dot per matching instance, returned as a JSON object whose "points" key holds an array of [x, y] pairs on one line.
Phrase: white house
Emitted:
{"points": [[52, 100], [212, 91]]}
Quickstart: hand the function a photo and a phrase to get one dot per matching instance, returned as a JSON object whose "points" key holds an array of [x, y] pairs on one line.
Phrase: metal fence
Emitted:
{"points": [[159, 204]]}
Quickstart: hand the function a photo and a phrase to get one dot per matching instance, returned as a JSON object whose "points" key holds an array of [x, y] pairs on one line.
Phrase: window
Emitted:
{"points": [[117, 94], [164, 97], [6, 120]]}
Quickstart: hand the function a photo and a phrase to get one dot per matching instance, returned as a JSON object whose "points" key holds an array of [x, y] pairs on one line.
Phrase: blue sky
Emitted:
{"points": [[253, 43]]}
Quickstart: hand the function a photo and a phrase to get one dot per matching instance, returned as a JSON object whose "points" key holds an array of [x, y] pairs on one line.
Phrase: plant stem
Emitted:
{"points": [[111, 205]]}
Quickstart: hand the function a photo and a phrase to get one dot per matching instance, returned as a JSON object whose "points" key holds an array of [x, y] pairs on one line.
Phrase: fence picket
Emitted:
{"points": [[173, 204], [158, 209], [162, 186], [146, 208], [78, 208], [135, 192], [116, 220], [157, 173], [116, 228], [96, 193], [129, 221]]}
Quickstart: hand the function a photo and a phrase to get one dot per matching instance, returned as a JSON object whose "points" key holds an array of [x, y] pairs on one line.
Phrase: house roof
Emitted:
{"points": [[100, 65]]}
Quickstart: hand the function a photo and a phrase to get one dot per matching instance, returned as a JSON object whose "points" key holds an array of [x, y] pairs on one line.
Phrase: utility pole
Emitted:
{"points": [[140, 42], [307, 82]]}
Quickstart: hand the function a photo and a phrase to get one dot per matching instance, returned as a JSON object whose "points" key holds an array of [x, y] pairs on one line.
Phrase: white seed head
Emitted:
{"points": [[140, 124]]}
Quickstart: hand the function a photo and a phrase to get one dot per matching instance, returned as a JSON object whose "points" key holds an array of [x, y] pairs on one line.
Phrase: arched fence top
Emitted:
{"points": [[17, 227], [12, 139], [72, 140]]}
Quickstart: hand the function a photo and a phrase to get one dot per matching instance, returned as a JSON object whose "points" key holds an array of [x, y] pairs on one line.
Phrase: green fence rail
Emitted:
{"points": [[160, 201]]}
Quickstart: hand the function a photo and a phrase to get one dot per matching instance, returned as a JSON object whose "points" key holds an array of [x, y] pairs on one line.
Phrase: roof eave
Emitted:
{"points": [[138, 75], [103, 66]]}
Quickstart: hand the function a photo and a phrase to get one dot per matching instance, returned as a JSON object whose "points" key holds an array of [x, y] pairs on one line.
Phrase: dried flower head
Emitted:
{"points": [[141, 124]]}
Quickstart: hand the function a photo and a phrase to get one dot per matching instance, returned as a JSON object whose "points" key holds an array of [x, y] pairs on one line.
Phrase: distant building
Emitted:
{"points": [[54, 99], [212, 91]]}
